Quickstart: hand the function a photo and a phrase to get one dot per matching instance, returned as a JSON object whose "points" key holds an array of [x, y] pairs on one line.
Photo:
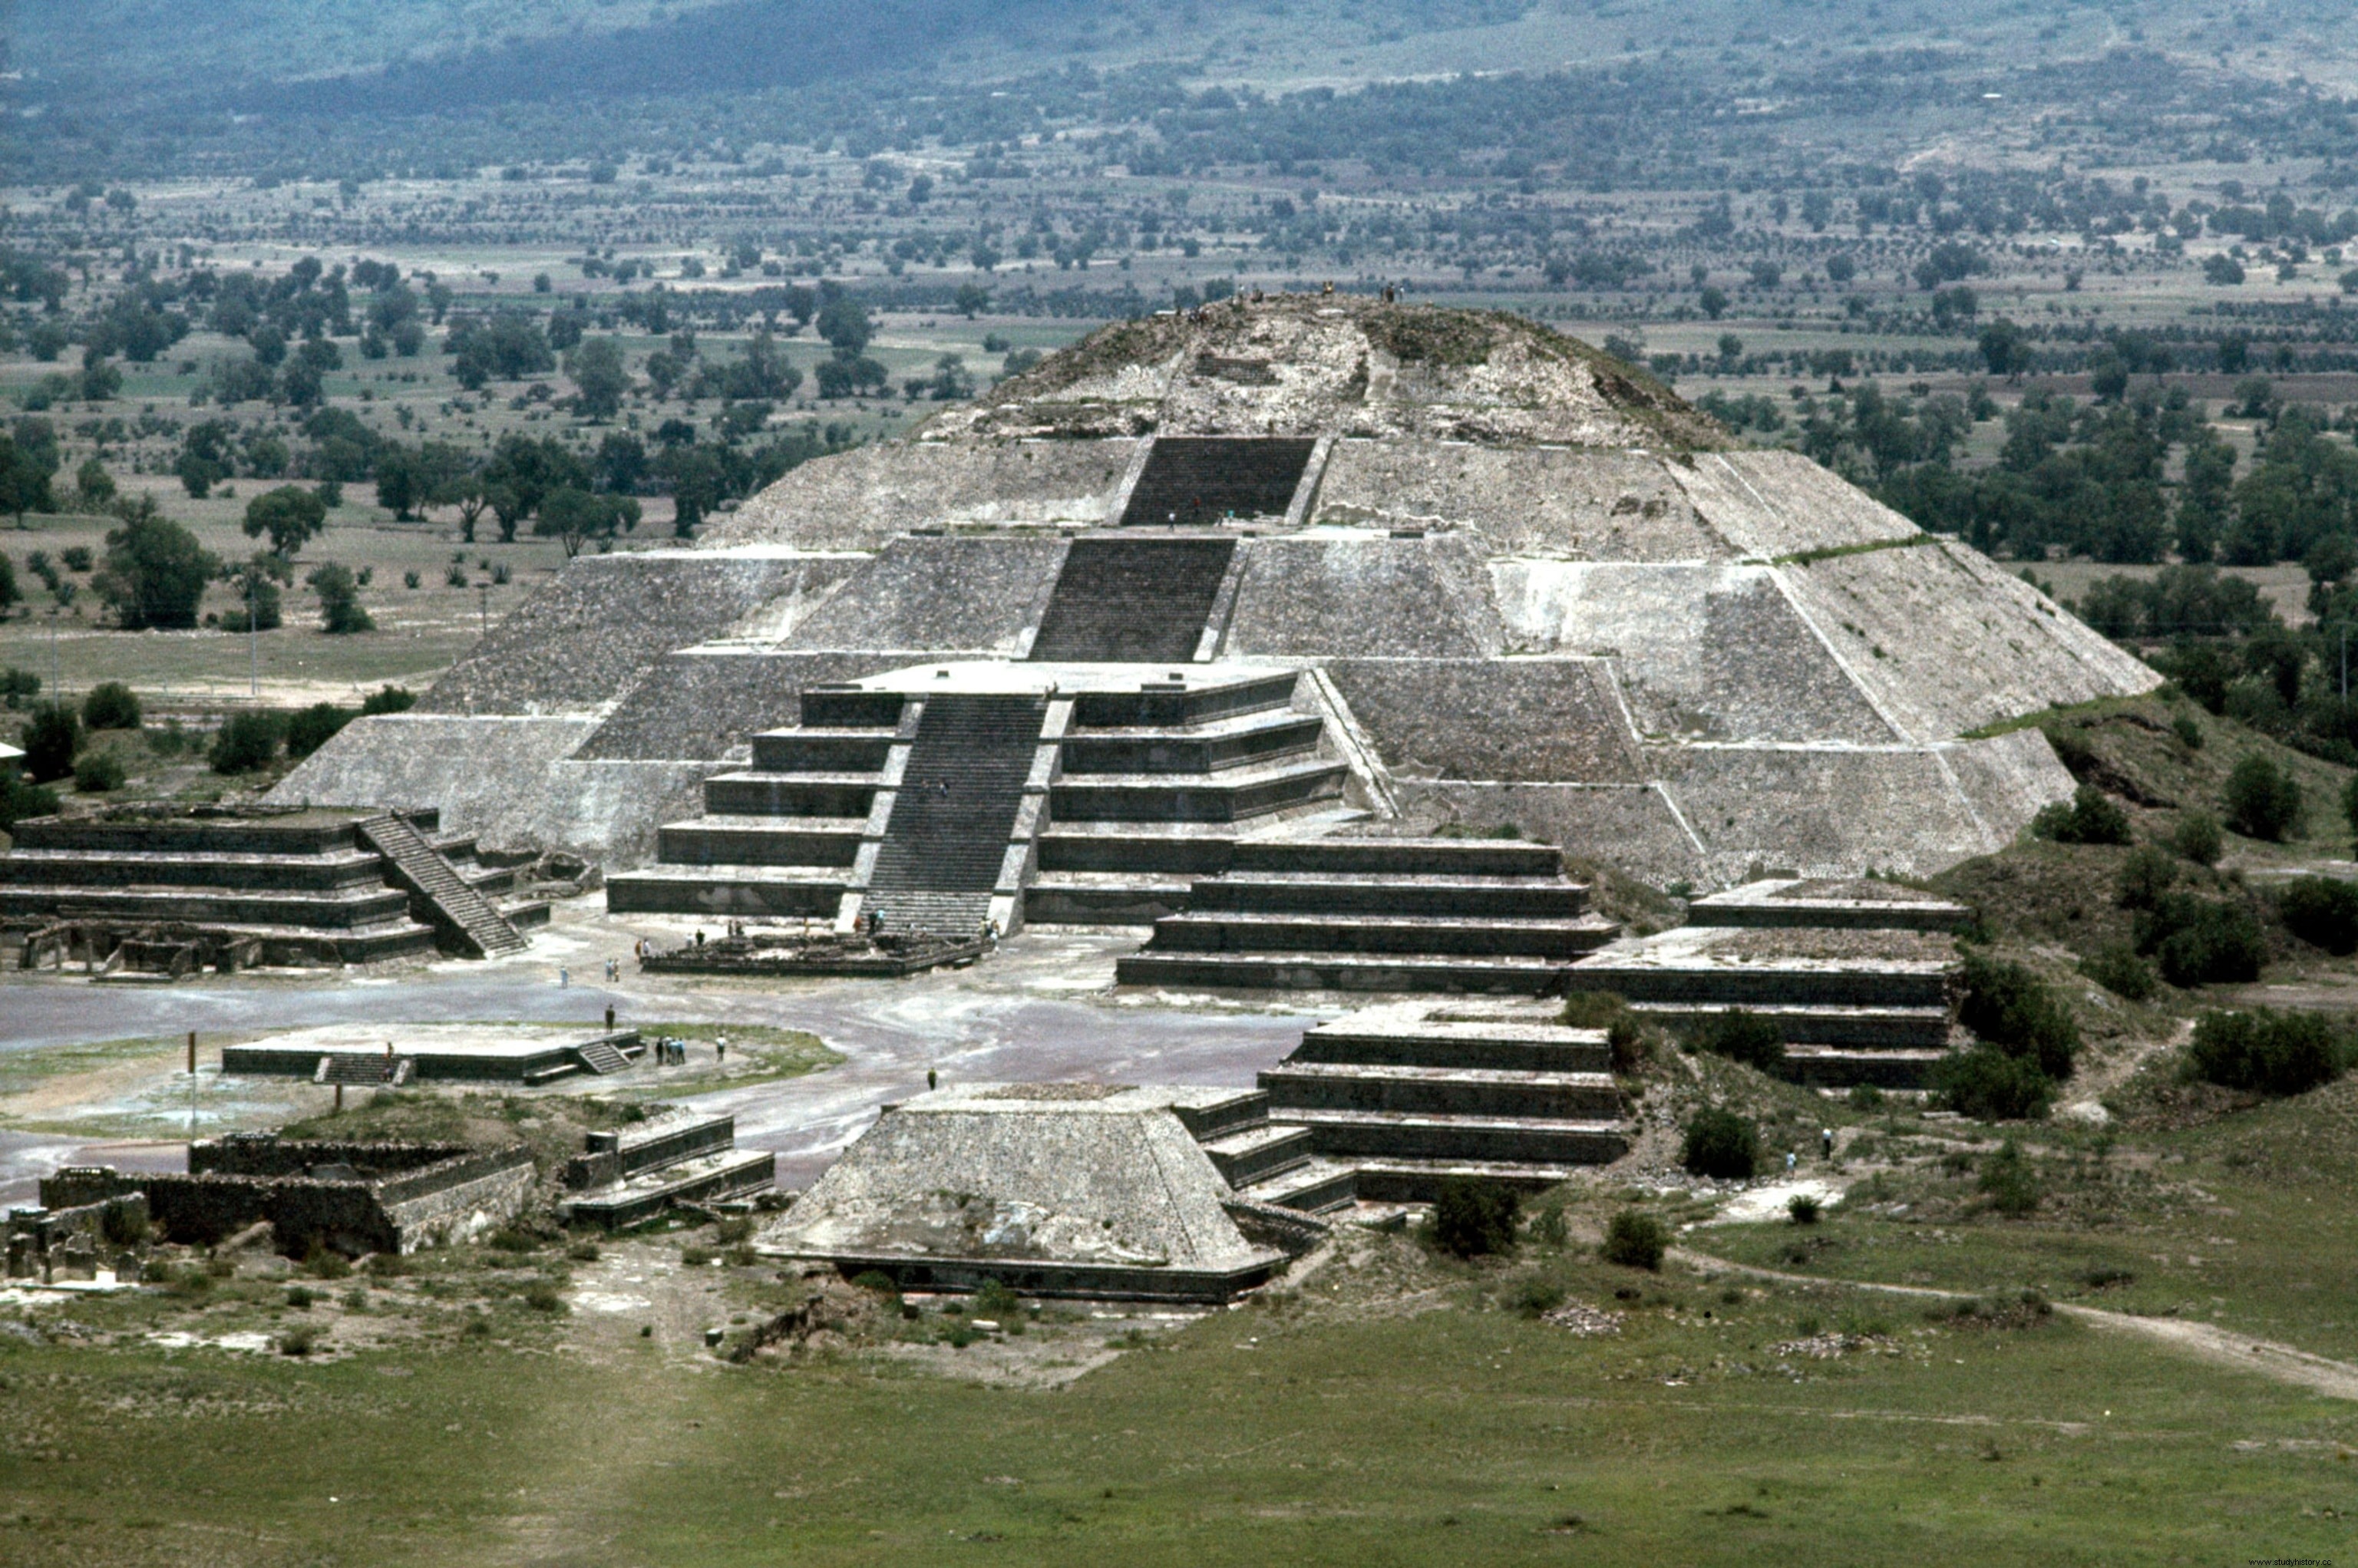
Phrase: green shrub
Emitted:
{"points": [[2014, 1010], [246, 742], [299, 1340], [388, 699], [2090, 818], [1740, 1036], [110, 706], [1635, 1241], [52, 735], [1803, 1209], [387, 1266], [410, 579], [695, 1257], [2267, 1052], [2197, 838], [2188, 731], [326, 1263], [584, 1251], [314, 726], [2145, 876], [2202, 941], [340, 599], [1989, 1083], [96, 773], [2116, 967], [1593, 1010], [2263, 799], [455, 575], [124, 1226], [1865, 1097], [876, 1281], [1473, 1216], [996, 1301], [2009, 1182], [2321, 912], [1535, 1295], [1720, 1144], [300, 1297], [541, 1296]]}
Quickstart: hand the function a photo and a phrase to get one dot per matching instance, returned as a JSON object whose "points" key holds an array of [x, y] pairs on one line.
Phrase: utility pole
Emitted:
{"points": [[252, 646]]}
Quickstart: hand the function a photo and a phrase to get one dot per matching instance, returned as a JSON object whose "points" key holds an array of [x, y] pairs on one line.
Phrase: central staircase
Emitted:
{"points": [[945, 837], [1192, 481], [1132, 600]]}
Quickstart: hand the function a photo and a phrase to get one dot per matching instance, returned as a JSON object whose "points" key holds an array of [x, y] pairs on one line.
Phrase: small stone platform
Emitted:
{"points": [[1086, 1190], [783, 954], [446, 1052], [628, 1176]]}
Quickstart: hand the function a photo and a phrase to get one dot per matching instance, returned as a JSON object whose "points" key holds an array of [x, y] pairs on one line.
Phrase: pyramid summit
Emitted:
{"points": [[1307, 570]]}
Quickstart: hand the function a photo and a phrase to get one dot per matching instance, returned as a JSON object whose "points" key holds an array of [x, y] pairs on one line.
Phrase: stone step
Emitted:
{"points": [[789, 892], [846, 707], [1836, 1066], [938, 914], [1254, 739], [1233, 796], [1394, 1180], [1192, 481], [1446, 1091], [459, 911], [749, 793], [822, 750], [1102, 898], [1314, 1186], [1215, 1113], [1165, 705], [1858, 1028], [1796, 983], [1180, 850], [1789, 904], [1234, 932], [330, 872], [760, 842], [1337, 972], [1399, 856], [1535, 1048], [1132, 600], [1251, 1154], [601, 1057], [323, 914], [1466, 898], [1352, 1134], [954, 811]]}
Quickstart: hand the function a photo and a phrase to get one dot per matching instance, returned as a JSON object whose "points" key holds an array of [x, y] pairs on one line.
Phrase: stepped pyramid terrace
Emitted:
{"points": [[1303, 634]]}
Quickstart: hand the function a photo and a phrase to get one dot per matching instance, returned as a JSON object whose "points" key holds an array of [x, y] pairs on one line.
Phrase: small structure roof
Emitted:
{"points": [[1057, 1188]]}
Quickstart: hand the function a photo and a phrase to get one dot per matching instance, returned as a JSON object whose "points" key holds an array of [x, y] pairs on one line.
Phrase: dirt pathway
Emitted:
{"points": [[2204, 1342]]}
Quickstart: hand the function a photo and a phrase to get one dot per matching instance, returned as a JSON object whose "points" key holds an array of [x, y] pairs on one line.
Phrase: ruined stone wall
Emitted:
{"points": [[267, 1156]]}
